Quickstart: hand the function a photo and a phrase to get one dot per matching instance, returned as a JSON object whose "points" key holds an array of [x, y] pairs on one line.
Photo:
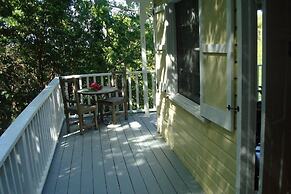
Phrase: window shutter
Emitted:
{"points": [[217, 62]]}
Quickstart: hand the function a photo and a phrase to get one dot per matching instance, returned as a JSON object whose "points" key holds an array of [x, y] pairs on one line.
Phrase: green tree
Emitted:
{"points": [[39, 39]]}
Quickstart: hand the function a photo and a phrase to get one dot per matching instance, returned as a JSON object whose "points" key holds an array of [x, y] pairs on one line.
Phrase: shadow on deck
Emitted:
{"points": [[126, 158]]}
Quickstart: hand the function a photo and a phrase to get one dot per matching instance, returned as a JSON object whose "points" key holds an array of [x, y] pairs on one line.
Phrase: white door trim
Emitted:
{"points": [[247, 95]]}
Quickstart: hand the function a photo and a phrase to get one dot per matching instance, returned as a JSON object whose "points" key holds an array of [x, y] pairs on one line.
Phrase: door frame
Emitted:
{"points": [[246, 15]]}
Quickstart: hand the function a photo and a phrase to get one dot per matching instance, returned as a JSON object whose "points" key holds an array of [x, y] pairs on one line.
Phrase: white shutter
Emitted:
{"points": [[217, 62]]}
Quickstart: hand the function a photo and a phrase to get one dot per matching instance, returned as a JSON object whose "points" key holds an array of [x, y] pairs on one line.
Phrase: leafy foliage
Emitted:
{"points": [[43, 38]]}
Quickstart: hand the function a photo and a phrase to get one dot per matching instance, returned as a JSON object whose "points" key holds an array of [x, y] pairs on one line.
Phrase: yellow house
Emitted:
{"points": [[195, 62], [206, 64]]}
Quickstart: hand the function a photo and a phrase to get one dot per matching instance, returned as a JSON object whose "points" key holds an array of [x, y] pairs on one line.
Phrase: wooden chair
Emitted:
{"points": [[72, 105], [119, 99]]}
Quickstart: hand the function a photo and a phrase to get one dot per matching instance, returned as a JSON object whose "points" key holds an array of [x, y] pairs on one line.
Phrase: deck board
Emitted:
{"points": [[76, 165], [126, 158], [99, 182], [132, 166], [87, 170], [168, 153]]}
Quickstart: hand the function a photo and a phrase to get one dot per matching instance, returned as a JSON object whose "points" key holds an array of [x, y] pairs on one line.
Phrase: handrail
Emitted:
{"points": [[27, 146]]}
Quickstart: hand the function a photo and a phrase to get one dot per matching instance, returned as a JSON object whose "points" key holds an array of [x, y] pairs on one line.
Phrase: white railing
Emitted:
{"points": [[136, 91], [27, 146]]}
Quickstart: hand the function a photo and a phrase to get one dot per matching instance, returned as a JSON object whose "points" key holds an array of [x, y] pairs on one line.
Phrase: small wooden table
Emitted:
{"points": [[104, 91]]}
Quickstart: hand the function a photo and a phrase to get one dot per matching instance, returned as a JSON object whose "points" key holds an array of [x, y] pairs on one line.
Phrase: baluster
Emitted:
{"points": [[1, 184], [51, 121], [42, 120], [34, 150], [17, 169], [80, 87], [130, 92], [94, 80], [12, 174], [6, 179], [154, 89], [122, 86], [136, 90], [88, 85], [145, 92], [30, 152], [37, 128], [102, 80], [26, 165], [109, 80]]}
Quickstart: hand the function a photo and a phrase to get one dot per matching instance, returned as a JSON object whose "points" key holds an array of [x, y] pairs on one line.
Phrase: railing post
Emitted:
{"points": [[142, 9]]}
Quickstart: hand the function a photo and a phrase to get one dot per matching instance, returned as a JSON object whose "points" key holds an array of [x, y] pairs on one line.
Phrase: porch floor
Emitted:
{"points": [[126, 158]]}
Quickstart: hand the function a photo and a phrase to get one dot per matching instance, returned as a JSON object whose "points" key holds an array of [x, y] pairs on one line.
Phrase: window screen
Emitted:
{"points": [[187, 32]]}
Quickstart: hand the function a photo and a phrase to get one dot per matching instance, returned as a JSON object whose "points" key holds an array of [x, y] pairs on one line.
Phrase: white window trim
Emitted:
{"points": [[188, 105]]}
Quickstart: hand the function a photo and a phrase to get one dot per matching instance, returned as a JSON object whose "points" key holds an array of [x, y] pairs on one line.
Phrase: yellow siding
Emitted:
{"points": [[207, 150]]}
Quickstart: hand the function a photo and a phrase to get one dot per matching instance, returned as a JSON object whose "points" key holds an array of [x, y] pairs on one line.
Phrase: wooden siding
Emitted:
{"points": [[207, 150], [126, 158]]}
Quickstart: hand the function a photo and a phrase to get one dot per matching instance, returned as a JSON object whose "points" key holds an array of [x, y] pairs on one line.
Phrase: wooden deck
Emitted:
{"points": [[126, 158]]}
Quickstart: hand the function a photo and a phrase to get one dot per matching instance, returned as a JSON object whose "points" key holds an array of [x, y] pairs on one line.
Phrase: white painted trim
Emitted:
{"points": [[188, 105], [264, 89], [143, 17], [214, 48], [230, 62], [217, 116], [246, 98]]}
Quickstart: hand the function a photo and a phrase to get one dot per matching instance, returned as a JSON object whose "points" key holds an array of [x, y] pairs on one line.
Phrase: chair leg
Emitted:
{"points": [[125, 111], [95, 119], [81, 123], [101, 111], [113, 115], [68, 122]]}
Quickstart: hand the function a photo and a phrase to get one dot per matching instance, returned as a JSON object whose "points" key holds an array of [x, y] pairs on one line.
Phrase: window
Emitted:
{"points": [[187, 45], [200, 43]]}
